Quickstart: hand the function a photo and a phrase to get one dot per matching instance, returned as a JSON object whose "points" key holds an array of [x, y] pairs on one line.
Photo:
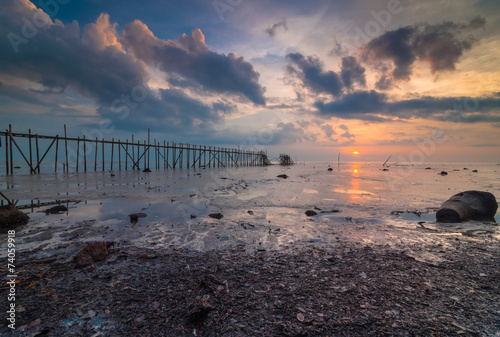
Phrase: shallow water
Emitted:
{"points": [[355, 202]]}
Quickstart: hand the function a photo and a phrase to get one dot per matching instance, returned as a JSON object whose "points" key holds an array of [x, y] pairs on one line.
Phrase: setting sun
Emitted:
{"points": [[355, 152]]}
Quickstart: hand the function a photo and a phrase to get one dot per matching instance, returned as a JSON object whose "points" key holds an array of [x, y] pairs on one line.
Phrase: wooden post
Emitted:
{"points": [[132, 150], [204, 156], [187, 154], [167, 153], [174, 155], [77, 152], [119, 156], [126, 157], [138, 155], [149, 143], [103, 155], [37, 154], [57, 150], [95, 157], [31, 154], [10, 148], [6, 154], [165, 162], [66, 146], [112, 151], [84, 155], [181, 152], [146, 151]]}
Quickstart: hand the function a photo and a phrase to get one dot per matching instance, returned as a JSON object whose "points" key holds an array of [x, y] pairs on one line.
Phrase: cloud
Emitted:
{"points": [[364, 105], [64, 67], [440, 45], [168, 110], [57, 59], [191, 58], [338, 50], [272, 31], [309, 70], [352, 72], [376, 107], [328, 130]]}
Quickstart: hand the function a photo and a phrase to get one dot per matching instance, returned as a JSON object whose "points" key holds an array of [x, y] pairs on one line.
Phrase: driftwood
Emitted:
{"points": [[469, 205]]}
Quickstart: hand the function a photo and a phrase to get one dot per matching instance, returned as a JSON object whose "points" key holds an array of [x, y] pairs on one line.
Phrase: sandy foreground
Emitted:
{"points": [[371, 262]]}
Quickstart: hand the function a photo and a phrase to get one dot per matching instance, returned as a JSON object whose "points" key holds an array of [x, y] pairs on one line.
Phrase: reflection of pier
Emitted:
{"points": [[101, 155], [37, 203]]}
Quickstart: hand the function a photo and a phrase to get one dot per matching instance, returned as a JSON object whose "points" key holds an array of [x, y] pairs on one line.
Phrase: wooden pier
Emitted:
{"points": [[72, 154]]}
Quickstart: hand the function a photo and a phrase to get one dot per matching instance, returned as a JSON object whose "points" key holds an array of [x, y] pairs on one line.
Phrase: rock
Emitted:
{"points": [[443, 173], [136, 216], [284, 176], [469, 205], [216, 215], [147, 170], [385, 169], [310, 213], [10, 216], [475, 171], [428, 168], [56, 209], [94, 252], [250, 212], [330, 169]]}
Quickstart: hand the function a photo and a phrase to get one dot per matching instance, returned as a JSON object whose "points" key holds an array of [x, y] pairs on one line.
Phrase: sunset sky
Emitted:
{"points": [[416, 79]]}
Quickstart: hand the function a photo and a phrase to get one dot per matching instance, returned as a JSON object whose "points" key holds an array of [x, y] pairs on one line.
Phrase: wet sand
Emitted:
{"points": [[370, 225]]}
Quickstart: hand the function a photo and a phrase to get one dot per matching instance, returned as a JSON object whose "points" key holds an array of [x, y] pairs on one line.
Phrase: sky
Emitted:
{"points": [[418, 80]]}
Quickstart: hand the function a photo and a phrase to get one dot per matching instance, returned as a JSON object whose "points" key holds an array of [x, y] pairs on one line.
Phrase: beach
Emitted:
{"points": [[368, 259]]}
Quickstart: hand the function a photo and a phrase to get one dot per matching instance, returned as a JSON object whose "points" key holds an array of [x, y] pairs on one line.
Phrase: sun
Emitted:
{"points": [[355, 152]]}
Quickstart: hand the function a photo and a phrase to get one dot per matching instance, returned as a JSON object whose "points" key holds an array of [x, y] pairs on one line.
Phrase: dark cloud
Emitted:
{"points": [[167, 110], [60, 68], [57, 58], [384, 82], [309, 70], [364, 105], [272, 31], [352, 72], [440, 45], [375, 106], [191, 58]]}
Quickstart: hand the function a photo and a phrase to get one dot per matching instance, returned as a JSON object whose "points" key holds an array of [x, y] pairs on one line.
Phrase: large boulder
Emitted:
{"points": [[10, 216], [468, 205]]}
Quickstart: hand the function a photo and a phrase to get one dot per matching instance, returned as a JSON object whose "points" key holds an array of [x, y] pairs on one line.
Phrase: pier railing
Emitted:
{"points": [[72, 154]]}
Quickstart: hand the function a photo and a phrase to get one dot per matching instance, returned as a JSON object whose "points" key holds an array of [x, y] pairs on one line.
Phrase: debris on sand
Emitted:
{"points": [[56, 209], [216, 215], [94, 252], [310, 213], [284, 176], [343, 291]]}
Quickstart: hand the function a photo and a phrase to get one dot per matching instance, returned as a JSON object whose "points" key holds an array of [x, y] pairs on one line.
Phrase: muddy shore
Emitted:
{"points": [[346, 290]]}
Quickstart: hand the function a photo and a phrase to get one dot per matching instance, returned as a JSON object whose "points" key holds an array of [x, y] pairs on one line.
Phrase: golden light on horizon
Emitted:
{"points": [[355, 152]]}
